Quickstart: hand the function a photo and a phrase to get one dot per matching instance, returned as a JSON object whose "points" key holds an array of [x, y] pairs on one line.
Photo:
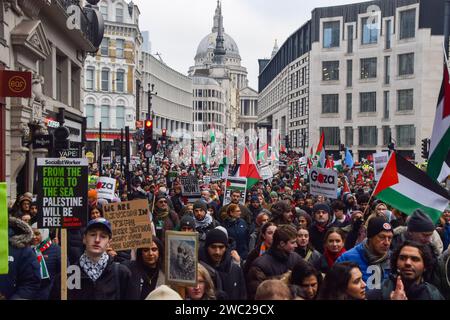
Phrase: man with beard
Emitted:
{"points": [[204, 222], [163, 217], [322, 220], [412, 261], [255, 206]]}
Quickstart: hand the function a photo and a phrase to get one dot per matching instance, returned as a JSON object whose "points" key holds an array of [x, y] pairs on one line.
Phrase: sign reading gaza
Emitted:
{"points": [[323, 182], [62, 192]]}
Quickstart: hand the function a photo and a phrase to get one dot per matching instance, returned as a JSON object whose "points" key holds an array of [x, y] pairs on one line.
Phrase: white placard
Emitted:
{"points": [[106, 187], [323, 182], [380, 161]]}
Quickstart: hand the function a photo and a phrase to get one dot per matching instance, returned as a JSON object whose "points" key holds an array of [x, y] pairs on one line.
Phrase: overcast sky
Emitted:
{"points": [[176, 27]]}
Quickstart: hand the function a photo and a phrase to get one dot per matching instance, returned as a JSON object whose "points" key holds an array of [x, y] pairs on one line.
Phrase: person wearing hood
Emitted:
{"points": [[164, 217], [204, 222], [372, 255], [277, 261], [322, 220], [216, 254], [23, 279]]}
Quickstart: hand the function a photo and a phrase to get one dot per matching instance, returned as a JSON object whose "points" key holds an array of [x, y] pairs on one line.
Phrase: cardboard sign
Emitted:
{"points": [[266, 172], [4, 239], [130, 221], [231, 184], [106, 187], [189, 186], [62, 192], [380, 161], [323, 182]]}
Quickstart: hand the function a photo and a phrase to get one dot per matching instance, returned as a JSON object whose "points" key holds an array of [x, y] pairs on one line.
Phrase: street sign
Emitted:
{"points": [[69, 153]]}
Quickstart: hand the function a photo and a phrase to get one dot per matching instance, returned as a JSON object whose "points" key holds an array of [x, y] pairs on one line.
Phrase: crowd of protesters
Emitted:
{"points": [[284, 243]]}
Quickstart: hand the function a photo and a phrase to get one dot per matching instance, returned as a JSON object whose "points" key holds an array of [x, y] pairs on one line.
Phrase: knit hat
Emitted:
{"points": [[216, 236], [25, 198], [321, 206], [377, 225], [187, 221], [159, 196], [223, 229], [420, 222], [200, 205], [273, 194], [163, 292]]}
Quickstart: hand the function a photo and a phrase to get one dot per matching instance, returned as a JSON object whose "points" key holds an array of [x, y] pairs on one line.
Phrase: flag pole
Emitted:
{"points": [[446, 28]]}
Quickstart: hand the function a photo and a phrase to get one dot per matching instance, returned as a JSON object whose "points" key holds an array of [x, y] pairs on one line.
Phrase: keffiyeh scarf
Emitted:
{"points": [[92, 269]]}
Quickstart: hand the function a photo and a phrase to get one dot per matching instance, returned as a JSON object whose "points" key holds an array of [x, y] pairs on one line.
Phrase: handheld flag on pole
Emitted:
{"points": [[348, 159], [247, 169], [320, 152]]}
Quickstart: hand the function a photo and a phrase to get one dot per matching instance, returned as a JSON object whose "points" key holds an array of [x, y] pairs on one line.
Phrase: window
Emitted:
{"points": [[388, 34], [349, 39], [348, 114], [105, 116], [90, 78], [104, 12], [331, 135], [368, 68], [405, 99], [120, 116], [368, 136], [368, 102], [119, 48], [104, 48], [331, 34], [406, 135], [90, 109], [330, 103], [369, 30], [408, 24], [387, 70], [386, 135], [348, 136], [386, 105], [105, 79], [120, 78], [349, 73], [405, 64], [330, 70], [119, 13]]}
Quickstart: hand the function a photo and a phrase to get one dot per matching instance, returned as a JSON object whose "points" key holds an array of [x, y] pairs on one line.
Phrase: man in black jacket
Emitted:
{"points": [[100, 277], [217, 255]]}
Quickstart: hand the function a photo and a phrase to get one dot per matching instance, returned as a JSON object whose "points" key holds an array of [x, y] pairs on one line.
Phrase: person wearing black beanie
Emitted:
{"points": [[322, 219]]}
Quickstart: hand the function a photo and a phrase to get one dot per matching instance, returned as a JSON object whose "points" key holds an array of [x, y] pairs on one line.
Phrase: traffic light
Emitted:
{"points": [[425, 151], [164, 132], [148, 138]]}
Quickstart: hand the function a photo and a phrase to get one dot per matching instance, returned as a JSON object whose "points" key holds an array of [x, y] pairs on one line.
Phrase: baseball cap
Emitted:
{"points": [[99, 222]]}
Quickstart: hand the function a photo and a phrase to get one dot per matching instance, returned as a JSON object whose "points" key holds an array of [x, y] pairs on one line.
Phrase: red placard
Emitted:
{"points": [[15, 84]]}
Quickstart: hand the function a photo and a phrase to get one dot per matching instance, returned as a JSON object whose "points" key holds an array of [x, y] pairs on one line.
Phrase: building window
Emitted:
{"points": [[90, 116], [368, 136], [331, 135], [349, 39], [330, 103], [405, 64], [349, 73], [90, 78], [119, 13], [386, 105], [368, 102], [119, 48], [331, 34], [408, 24], [105, 116], [387, 69], [104, 11], [348, 113], [388, 34], [120, 78], [386, 135], [105, 79], [405, 99], [368, 68], [369, 30], [406, 135], [120, 117], [330, 70], [348, 136], [104, 48]]}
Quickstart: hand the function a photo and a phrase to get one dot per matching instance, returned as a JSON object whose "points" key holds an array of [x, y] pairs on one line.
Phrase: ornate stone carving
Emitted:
{"points": [[33, 7]]}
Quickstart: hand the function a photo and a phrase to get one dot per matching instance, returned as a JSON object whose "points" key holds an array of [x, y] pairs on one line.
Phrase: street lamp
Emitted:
{"points": [[150, 92]]}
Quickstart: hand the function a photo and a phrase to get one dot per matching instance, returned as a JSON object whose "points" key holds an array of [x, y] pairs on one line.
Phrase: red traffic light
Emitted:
{"points": [[148, 123], [164, 131]]}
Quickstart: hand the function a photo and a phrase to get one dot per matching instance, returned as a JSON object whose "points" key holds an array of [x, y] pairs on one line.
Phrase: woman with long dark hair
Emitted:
{"points": [[305, 281], [305, 249], [263, 244]]}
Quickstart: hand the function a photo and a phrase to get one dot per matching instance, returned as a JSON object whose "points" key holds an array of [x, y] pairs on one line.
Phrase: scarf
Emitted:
{"points": [[161, 214], [94, 269], [331, 257], [371, 257], [39, 250], [262, 249], [207, 220]]}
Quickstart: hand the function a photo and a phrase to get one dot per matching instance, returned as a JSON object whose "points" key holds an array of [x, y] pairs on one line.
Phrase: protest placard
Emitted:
{"points": [[62, 192], [380, 161], [189, 185], [323, 182], [130, 221], [106, 187], [231, 184], [265, 172]]}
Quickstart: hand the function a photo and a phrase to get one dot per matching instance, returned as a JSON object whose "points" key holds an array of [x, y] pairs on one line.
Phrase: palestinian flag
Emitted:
{"points": [[338, 165], [310, 163], [329, 163], [233, 183], [320, 152], [262, 155], [247, 169], [438, 167], [296, 185], [407, 188]]}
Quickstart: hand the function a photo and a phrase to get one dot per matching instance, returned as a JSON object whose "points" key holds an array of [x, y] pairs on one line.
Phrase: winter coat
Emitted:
{"points": [[442, 281], [423, 291], [52, 257], [112, 285], [272, 264], [139, 286], [401, 234], [24, 278], [177, 203], [230, 273], [312, 256], [238, 230], [317, 237], [75, 246], [245, 214], [373, 275], [171, 222]]}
